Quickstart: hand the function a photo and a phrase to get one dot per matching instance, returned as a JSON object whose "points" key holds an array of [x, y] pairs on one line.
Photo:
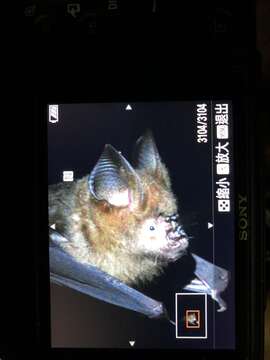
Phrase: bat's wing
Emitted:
{"points": [[65, 270], [210, 279]]}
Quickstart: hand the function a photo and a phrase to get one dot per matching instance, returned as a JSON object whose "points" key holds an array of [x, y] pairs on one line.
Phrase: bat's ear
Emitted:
{"points": [[113, 179], [146, 157]]}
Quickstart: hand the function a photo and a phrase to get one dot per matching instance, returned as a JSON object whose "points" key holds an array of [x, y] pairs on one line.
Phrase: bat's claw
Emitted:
{"points": [[222, 304], [222, 308]]}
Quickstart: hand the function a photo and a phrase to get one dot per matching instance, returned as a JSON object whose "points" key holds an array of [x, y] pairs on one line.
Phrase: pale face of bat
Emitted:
{"points": [[162, 237]]}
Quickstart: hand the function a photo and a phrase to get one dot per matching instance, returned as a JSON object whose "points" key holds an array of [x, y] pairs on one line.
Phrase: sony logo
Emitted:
{"points": [[243, 217]]}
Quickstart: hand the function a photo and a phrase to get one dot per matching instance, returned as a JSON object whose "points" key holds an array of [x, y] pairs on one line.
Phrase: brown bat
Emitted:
{"points": [[121, 219], [118, 227]]}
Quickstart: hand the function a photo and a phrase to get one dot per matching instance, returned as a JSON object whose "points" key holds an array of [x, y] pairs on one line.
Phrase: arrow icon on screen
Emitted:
{"points": [[128, 107], [132, 342], [53, 226], [209, 225]]}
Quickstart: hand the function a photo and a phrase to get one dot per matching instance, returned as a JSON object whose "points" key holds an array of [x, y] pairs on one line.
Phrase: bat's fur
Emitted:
{"points": [[106, 236]]}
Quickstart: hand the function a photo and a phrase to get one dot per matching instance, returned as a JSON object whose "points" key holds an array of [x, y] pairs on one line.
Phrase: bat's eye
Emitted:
{"points": [[152, 228]]}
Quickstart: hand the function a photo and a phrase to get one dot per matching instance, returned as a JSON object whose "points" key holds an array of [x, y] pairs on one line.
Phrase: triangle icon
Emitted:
{"points": [[132, 342], [53, 226], [128, 107], [209, 225]]}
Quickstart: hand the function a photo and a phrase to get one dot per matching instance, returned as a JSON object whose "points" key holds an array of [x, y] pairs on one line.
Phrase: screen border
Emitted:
{"points": [[249, 265]]}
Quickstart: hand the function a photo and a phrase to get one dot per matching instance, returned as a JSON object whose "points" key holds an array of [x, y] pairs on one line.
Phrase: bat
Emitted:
{"points": [[119, 227]]}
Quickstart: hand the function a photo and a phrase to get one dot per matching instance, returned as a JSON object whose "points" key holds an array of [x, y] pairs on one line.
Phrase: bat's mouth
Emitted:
{"points": [[177, 239]]}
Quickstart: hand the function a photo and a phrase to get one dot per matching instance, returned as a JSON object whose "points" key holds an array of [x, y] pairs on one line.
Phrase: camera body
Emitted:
{"points": [[153, 54]]}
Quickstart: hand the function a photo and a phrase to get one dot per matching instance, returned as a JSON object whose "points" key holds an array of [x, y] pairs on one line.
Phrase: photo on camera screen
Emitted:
{"points": [[141, 225]]}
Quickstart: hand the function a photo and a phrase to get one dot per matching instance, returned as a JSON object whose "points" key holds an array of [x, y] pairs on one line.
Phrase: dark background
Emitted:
{"points": [[75, 143]]}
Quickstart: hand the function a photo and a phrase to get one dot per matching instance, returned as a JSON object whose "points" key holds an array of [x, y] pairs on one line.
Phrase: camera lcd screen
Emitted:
{"points": [[141, 225]]}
